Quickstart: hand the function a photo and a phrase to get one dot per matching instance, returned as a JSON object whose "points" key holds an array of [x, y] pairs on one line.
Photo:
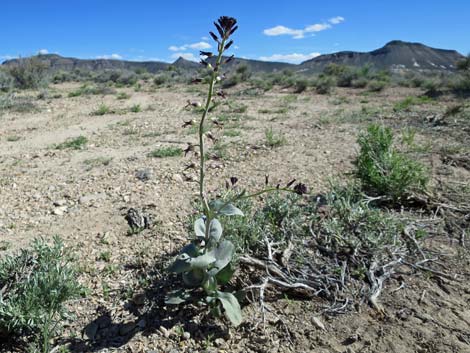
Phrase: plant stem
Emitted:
{"points": [[202, 194]]}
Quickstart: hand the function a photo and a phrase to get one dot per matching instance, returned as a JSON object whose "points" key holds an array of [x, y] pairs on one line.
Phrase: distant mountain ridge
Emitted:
{"points": [[395, 55]]}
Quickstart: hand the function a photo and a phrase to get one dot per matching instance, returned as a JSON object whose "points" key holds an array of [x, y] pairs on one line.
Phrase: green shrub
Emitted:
{"points": [[6, 81], [76, 143], [85, 90], [160, 80], [28, 73], [166, 152], [383, 170], [17, 104], [103, 109], [409, 101], [35, 285], [324, 85], [136, 108], [301, 85], [376, 86], [273, 139], [359, 83]]}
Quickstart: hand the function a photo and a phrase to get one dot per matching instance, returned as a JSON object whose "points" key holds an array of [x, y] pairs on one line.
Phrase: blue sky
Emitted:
{"points": [[291, 30]]}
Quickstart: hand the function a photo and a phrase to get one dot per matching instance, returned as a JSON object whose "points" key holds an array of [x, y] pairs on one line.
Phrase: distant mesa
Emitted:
{"points": [[395, 55]]}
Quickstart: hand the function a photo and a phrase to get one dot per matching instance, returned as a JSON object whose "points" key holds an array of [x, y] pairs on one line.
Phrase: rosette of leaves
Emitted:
{"points": [[207, 263]]}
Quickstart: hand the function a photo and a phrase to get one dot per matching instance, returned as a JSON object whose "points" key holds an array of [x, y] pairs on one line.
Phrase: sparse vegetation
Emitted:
{"points": [[36, 283], [28, 73], [383, 170], [76, 143], [164, 152], [103, 109], [274, 139]]}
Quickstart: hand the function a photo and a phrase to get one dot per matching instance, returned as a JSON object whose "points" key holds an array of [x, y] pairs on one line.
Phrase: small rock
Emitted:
{"points": [[219, 342], [186, 336], [317, 322], [60, 203], [59, 211], [164, 331], [178, 178], [144, 174]]}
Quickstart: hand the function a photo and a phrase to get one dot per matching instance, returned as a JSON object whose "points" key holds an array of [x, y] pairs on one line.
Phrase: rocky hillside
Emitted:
{"points": [[395, 55]]}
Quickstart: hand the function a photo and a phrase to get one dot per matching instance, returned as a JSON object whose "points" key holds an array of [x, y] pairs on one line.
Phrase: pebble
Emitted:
{"points": [[59, 211], [164, 331], [186, 336], [178, 178]]}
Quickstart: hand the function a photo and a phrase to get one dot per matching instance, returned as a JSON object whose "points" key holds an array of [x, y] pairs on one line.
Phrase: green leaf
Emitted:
{"points": [[223, 254], [193, 278], [225, 274], [200, 228], [177, 297], [226, 209], [215, 230], [231, 306], [210, 285], [181, 264], [202, 261]]}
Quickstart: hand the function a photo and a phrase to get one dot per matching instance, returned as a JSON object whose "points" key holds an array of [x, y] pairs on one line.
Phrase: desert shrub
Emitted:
{"points": [[17, 104], [262, 83], [244, 72], [383, 170], [76, 143], [119, 77], [160, 80], [62, 76], [6, 81], [231, 81], [103, 109], [136, 108], [376, 86], [301, 85], [35, 284], [324, 85], [409, 101], [86, 90], [28, 73], [359, 83], [462, 84], [274, 139], [164, 152]]}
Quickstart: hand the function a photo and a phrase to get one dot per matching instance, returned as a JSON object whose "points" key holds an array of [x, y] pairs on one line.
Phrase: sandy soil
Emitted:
{"points": [[82, 195]]}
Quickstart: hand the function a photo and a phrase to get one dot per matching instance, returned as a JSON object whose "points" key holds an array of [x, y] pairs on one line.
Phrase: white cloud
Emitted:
{"points": [[7, 57], [112, 56], [43, 52], [205, 38], [200, 46], [187, 56], [293, 58], [195, 46], [318, 27], [282, 30], [336, 20], [300, 33], [175, 48]]}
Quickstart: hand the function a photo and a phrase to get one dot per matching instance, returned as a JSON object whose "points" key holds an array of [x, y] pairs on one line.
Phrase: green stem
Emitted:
{"points": [[202, 194]]}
